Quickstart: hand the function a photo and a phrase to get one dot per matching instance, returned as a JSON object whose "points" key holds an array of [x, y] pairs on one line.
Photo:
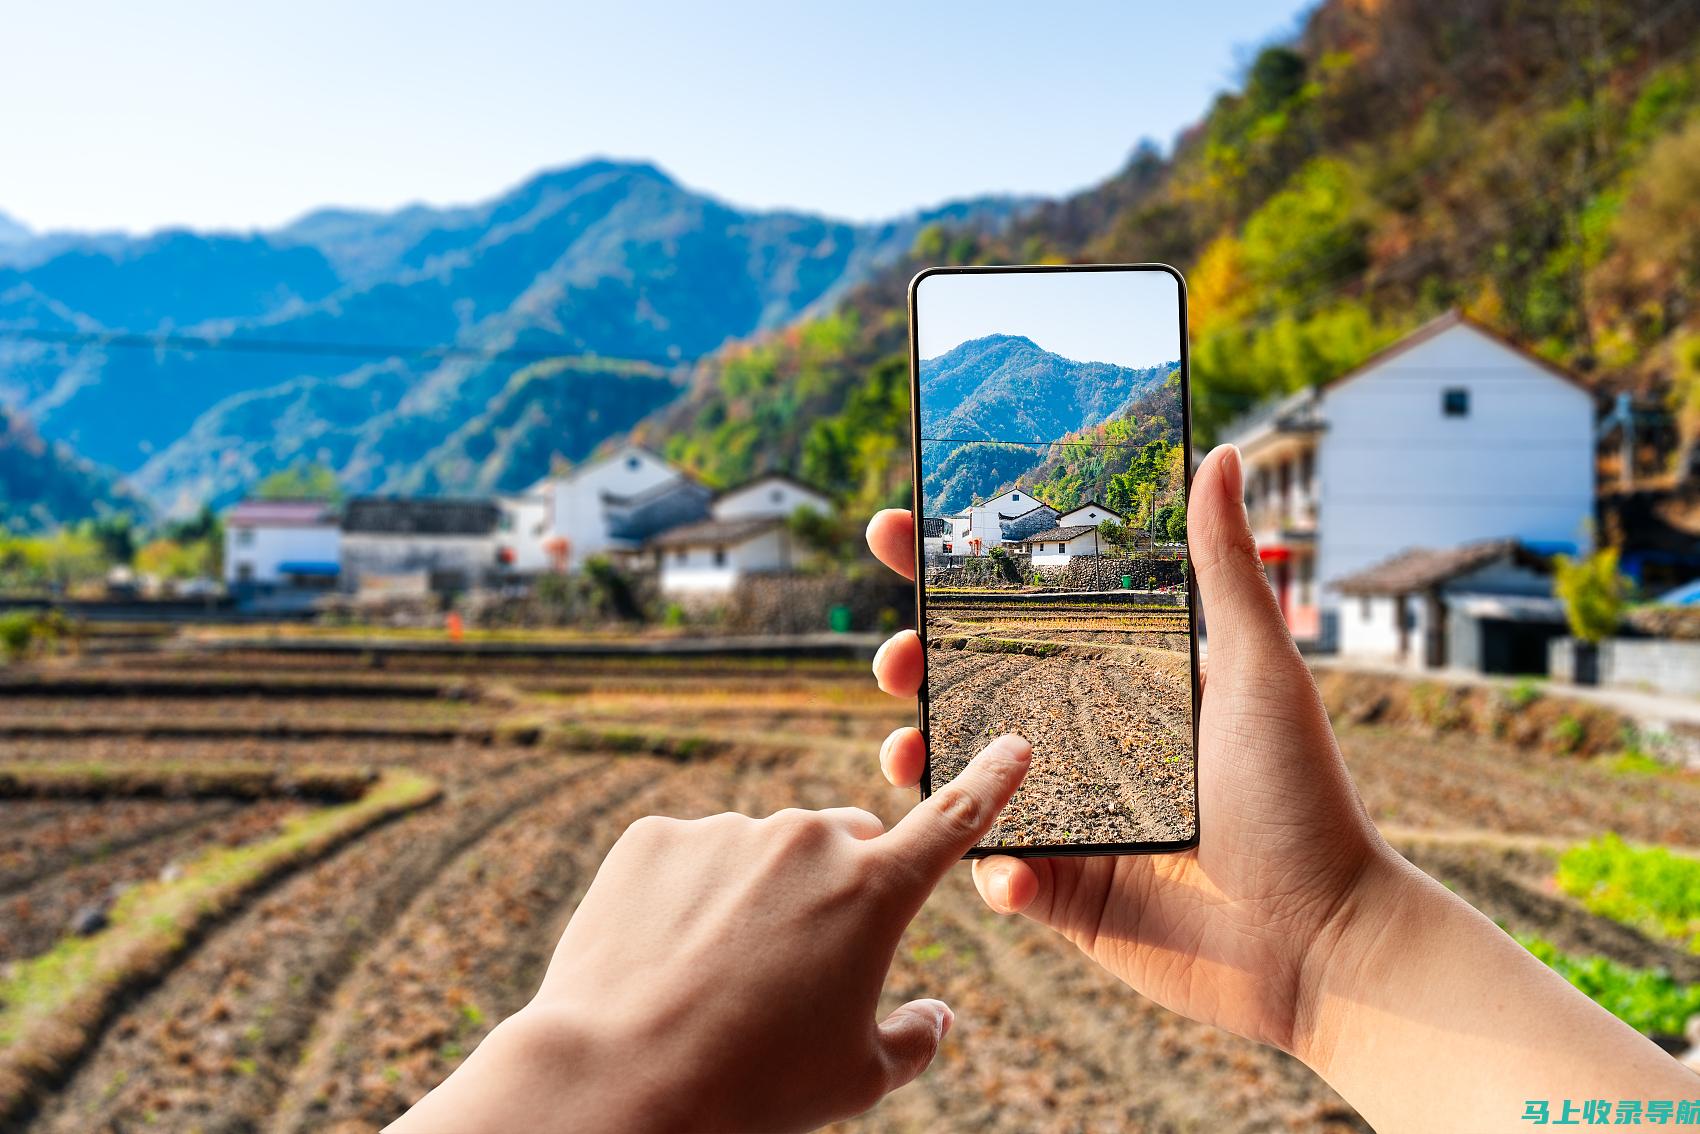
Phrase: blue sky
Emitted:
{"points": [[137, 116], [1127, 318]]}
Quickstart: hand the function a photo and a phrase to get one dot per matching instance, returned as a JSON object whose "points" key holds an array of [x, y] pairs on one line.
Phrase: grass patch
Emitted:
{"points": [[1647, 888], [1029, 647], [636, 742], [1648, 1000], [52, 1006]]}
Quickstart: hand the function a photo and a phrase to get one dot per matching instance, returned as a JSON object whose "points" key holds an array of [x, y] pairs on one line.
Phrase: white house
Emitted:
{"points": [[524, 528], [440, 544], [1451, 436], [747, 531], [982, 524], [1484, 606], [1091, 512], [772, 494], [592, 507], [1058, 545], [281, 543]]}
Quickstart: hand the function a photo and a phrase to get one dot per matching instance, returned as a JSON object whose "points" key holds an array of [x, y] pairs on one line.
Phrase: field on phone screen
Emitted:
{"points": [[286, 891]]}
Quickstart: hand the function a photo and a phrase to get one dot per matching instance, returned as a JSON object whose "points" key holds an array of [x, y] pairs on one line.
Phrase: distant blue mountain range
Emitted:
{"points": [[607, 258]]}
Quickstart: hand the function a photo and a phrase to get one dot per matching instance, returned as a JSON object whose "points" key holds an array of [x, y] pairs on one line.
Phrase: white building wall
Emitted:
{"points": [[368, 553], [1088, 514], [577, 497], [1369, 631], [768, 497], [525, 527], [1046, 554], [1395, 472], [264, 548], [693, 569]]}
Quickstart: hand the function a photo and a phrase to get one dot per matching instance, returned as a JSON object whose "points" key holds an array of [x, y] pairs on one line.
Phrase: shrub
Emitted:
{"points": [[1567, 734], [1648, 888], [1594, 594], [17, 630]]}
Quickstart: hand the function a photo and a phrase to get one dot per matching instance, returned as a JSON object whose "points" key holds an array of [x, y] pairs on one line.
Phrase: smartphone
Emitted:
{"points": [[1053, 459]]}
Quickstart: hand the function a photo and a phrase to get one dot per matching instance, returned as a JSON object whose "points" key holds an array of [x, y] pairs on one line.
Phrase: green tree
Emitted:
{"points": [[306, 481], [1594, 593]]}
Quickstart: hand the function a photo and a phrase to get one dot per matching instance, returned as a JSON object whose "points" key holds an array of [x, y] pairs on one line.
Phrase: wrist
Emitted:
{"points": [[1341, 960]]}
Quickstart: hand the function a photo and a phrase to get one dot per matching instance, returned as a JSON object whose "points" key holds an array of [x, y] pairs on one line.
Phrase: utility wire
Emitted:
{"points": [[373, 351]]}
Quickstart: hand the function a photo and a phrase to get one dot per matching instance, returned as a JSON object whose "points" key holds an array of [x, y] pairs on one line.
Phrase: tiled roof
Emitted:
{"points": [[281, 513], [383, 516], [716, 532], [1420, 569], [1060, 535]]}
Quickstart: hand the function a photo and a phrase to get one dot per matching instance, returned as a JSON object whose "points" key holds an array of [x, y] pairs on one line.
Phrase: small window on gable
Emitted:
{"points": [[720, 557], [1015, 496], [632, 462], [1455, 402], [776, 495]]}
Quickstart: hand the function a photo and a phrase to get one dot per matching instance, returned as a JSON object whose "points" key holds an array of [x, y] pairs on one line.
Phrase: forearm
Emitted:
{"points": [[537, 1073], [1424, 1015]]}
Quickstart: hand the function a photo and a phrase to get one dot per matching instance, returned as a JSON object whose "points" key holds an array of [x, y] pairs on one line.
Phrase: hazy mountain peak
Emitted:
{"points": [[13, 231]]}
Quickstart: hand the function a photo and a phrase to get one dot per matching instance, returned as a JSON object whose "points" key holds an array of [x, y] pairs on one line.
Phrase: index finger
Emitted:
{"points": [[891, 537], [942, 827]]}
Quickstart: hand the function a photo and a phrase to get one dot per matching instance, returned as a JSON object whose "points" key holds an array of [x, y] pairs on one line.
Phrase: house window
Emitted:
{"points": [[776, 495], [1455, 402], [947, 549], [720, 557], [1363, 608], [244, 572], [632, 462], [1015, 496], [1061, 547], [244, 537], [681, 555]]}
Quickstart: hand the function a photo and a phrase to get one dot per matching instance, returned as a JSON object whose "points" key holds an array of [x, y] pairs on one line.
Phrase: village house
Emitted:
{"points": [[1449, 437], [1483, 606], [276, 546], [748, 531], [1056, 547], [980, 527], [436, 546], [613, 504]]}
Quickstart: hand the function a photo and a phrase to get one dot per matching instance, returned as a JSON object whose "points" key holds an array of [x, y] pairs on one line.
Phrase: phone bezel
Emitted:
{"points": [[1045, 851]]}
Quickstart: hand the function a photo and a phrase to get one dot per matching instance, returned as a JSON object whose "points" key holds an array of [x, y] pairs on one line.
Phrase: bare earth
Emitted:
{"points": [[1110, 724]]}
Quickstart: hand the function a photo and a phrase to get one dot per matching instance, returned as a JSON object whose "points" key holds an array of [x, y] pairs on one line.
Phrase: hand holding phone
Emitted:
{"points": [[1052, 453]]}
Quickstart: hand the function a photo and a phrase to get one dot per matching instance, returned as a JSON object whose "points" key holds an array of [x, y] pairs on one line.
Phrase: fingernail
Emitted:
{"points": [[1000, 889], [880, 653], [885, 749], [946, 1019], [1011, 746]]}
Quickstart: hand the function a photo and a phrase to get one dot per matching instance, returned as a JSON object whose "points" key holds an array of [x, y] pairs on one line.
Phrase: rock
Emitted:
{"points": [[171, 872], [88, 921]]}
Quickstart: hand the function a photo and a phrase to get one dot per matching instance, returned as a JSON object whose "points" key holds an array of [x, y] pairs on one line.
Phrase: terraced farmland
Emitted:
{"points": [[1102, 686], [381, 859]]}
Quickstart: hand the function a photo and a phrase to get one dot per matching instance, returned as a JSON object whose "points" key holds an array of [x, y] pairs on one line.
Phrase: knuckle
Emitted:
{"points": [[960, 809]]}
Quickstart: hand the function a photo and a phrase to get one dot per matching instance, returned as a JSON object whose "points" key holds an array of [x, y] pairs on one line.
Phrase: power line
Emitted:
{"points": [[371, 351]]}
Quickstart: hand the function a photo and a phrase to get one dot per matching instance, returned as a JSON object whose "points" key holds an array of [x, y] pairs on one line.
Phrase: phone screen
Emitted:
{"points": [[1053, 455]]}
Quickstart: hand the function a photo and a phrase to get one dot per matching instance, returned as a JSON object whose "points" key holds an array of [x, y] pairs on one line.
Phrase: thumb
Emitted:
{"points": [[909, 1038], [1238, 605]]}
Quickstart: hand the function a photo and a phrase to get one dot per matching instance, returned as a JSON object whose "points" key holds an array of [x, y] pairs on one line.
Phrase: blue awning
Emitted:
{"points": [[307, 567]]}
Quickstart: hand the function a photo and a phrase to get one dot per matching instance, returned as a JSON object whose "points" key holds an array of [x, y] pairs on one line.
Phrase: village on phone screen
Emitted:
{"points": [[1053, 509]]}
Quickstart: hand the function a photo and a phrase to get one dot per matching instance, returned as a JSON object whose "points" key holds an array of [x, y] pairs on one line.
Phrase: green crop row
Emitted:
{"points": [[1649, 888], [1648, 1000]]}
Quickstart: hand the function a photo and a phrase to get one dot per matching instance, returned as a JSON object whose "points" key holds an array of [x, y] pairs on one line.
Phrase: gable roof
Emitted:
{"points": [[717, 532], [783, 478], [1419, 569], [1436, 327], [1091, 504], [281, 514], [1060, 535]]}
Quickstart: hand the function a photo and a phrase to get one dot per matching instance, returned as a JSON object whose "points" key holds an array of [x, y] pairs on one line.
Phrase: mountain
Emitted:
{"points": [[1535, 165], [1008, 388], [13, 232], [43, 484], [318, 340]]}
